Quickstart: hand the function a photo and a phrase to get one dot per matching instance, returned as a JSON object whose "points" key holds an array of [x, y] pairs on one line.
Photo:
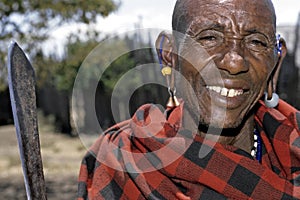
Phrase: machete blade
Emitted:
{"points": [[21, 81]]}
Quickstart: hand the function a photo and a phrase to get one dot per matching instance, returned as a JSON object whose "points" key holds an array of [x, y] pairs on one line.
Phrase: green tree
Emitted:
{"points": [[100, 69], [30, 21]]}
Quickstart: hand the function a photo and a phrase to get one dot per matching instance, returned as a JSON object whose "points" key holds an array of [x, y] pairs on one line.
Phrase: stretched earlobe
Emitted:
{"points": [[164, 48], [271, 99], [281, 52]]}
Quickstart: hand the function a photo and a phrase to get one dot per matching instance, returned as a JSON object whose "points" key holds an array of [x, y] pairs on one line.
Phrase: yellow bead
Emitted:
{"points": [[166, 71]]}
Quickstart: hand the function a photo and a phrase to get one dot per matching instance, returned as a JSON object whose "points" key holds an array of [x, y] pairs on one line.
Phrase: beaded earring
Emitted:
{"points": [[279, 45]]}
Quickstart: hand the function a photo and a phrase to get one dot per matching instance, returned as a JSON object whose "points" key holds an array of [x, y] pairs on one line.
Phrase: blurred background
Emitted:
{"points": [[57, 36]]}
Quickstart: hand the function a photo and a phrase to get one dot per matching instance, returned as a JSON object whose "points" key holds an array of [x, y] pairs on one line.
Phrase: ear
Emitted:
{"points": [[278, 66], [165, 49]]}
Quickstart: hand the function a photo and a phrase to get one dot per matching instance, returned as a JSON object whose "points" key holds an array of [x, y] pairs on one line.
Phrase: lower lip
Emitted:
{"points": [[227, 102]]}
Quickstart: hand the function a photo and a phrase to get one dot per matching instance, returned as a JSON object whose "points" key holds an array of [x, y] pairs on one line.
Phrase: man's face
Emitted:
{"points": [[241, 36]]}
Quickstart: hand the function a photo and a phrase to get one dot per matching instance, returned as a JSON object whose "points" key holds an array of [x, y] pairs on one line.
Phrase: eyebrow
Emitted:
{"points": [[208, 25], [215, 26], [254, 31]]}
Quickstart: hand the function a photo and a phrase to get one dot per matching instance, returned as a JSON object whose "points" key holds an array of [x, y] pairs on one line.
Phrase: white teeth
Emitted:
{"points": [[231, 93], [217, 89], [225, 92]]}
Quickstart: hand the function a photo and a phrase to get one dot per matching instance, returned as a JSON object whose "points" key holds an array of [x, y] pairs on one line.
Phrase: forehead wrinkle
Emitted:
{"points": [[219, 22], [190, 7], [209, 20], [229, 21]]}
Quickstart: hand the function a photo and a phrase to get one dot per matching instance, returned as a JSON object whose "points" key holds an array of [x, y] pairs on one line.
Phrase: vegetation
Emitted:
{"points": [[31, 21]]}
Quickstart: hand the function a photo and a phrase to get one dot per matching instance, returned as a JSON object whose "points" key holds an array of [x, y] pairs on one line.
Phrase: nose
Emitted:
{"points": [[233, 61]]}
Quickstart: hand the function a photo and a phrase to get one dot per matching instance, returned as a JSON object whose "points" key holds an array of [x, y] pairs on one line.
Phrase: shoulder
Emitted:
{"points": [[145, 116], [284, 113]]}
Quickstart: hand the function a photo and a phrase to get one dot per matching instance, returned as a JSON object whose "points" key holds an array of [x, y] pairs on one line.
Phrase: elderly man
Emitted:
{"points": [[229, 137]]}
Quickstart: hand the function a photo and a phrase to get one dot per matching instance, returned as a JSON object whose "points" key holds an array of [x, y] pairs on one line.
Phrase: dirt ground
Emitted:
{"points": [[61, 159]]}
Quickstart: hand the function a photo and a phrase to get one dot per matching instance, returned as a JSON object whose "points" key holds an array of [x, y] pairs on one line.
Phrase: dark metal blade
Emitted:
{"points": [[21, 80]]}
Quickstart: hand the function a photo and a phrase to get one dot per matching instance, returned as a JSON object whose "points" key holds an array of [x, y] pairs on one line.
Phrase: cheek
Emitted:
{"points": [[261, 69], [187, 71], [189, 84]]}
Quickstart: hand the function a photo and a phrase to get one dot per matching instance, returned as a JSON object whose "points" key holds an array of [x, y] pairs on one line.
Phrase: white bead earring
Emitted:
{"points": [[273, 102]]}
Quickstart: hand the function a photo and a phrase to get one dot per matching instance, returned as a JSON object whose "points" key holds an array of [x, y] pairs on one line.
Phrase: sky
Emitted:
{"points": [[157, 14]]}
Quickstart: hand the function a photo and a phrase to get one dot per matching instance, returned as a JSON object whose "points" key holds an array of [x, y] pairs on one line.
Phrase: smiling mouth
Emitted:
{"points": [[225, 91]]}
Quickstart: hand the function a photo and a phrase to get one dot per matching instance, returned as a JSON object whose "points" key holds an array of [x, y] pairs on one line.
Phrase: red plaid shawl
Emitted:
{"points": [[120, 165]]}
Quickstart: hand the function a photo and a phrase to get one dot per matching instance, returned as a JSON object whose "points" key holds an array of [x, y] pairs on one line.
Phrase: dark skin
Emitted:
{"points": [[239, 37]]}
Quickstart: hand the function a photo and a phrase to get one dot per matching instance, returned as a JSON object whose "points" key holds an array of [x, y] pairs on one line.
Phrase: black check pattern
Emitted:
{"points": [[224, 172]]}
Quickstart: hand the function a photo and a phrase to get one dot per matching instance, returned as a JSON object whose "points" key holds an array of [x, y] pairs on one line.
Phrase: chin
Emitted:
{"points": [[222, 118], [220, 123], [235, 124]]}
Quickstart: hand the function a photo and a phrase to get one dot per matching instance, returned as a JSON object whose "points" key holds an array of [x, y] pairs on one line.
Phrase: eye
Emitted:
{"points": [[256, 42], [210, 38], [259, 43]]}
